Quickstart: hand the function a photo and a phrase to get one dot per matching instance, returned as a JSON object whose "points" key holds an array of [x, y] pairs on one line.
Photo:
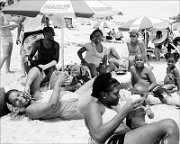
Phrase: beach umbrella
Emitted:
{"points": [[57, 10], [146, 22]]}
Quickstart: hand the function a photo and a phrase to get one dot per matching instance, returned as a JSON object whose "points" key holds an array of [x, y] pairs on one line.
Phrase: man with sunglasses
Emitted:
{"points": [[135, 47]]}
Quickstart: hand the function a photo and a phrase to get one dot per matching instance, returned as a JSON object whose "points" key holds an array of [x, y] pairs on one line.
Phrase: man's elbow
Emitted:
{"points": [[100, 138]]}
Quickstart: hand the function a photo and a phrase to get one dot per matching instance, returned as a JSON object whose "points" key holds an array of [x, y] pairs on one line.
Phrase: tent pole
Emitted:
{"points": [[62, 48]]}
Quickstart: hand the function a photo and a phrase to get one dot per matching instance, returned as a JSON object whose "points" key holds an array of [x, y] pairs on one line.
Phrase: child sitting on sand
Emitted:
{"points": [[142, 74], [137, 117]]}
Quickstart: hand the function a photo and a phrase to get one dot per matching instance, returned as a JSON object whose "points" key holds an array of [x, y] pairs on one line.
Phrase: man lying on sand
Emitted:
{"points": [[55, 103]]}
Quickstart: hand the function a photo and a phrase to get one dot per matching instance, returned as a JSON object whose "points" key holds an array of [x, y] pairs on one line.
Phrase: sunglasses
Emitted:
{"points": [[133, 36]]}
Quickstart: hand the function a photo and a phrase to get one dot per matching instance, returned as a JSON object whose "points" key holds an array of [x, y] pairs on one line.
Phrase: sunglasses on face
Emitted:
{"points": [[133, 36]]}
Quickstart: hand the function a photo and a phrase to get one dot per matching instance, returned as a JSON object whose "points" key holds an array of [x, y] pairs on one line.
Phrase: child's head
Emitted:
{"points": [[141, 88], [140, 91], [139, 61], [172, 58]]}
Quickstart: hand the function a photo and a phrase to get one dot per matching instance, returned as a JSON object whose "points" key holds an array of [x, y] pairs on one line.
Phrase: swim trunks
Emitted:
{"points": [[116, 139]]}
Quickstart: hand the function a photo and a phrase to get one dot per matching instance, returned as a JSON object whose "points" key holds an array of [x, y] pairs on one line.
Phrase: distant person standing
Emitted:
{"points": [[6, 39], [146, 38], [158, 46], [119, 35], [27, 24]]}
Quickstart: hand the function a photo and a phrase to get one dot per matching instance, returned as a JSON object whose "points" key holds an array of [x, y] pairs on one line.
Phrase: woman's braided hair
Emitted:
{"points": [[103, 83]]}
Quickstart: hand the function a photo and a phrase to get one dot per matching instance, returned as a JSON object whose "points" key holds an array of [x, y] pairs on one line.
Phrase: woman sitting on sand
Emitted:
{"points": [[96, 54], [105, 94]]}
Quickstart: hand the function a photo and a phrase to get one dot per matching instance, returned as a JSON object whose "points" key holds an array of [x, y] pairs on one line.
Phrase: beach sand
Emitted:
{"points": [[23, 130]]}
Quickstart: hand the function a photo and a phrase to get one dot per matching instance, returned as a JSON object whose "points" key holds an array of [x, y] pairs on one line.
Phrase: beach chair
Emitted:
{"points": [[27, 45]]}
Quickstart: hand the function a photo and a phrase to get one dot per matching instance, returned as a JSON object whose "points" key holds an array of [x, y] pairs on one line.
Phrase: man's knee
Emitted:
{"points": [[170, 125]]}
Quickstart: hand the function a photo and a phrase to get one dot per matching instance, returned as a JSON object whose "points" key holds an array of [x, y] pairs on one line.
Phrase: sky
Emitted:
{"points": [[132, 8]]}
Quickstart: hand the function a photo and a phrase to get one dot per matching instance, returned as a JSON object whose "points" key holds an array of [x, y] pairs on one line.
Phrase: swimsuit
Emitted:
{"points": [[45, 56], [67, 108], [92, 55], [114, 139]]}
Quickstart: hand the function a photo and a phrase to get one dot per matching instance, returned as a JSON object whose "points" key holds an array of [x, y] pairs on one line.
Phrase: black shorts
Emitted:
{"points": [[117, 139]]}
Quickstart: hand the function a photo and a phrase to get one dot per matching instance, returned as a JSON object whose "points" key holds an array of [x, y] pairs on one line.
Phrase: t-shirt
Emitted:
{"points": [[92, 56]]}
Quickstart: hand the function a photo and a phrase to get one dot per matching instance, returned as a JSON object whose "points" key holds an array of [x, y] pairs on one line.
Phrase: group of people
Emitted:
{"points": [[112, 34], [102, 91]]}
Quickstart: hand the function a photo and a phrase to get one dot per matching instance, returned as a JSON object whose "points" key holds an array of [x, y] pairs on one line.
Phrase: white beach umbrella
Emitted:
{"points": [[146, 22], [57, 10]]}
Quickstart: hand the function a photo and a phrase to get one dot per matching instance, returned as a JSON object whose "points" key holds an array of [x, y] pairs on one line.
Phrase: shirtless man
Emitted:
{"points": [[136, 47]]}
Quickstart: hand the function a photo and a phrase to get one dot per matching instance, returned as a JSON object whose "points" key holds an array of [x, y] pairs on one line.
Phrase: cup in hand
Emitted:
{"points": [[136, 97]]}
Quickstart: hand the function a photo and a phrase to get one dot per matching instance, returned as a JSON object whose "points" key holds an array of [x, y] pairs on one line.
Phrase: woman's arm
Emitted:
{"points": [[39, 110], [102, 131], [177, 79], [152, 80], [80, 52]]}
